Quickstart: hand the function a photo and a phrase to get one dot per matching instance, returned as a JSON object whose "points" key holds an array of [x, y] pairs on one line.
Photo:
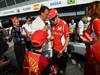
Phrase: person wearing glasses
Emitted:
{"points": [[58, 30], [39, 22], [35, 63], [19, 43]]}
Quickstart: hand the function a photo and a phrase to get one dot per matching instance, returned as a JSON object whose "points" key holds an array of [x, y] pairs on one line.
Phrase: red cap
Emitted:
{"points": [[53, 13], [38, 38], [14, 19]]}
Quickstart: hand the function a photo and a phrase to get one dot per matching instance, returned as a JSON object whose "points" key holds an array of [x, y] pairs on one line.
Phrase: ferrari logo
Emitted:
{"points": [[59, 28]]}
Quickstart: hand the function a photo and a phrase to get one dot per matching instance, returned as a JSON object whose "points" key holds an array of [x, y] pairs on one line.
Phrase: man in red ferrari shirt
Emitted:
{"points": [[59, 29], [35, 63]]}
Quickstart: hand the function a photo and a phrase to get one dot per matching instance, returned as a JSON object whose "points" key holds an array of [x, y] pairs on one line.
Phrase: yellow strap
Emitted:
{"points": [[28, 69], [72, 29]]}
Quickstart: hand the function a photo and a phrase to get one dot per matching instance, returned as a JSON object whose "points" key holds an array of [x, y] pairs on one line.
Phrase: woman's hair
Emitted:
{"points": [[94, 10]]}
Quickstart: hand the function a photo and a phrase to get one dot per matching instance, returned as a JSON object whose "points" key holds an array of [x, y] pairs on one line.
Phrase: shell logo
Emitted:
{"points": [[36, 6]]}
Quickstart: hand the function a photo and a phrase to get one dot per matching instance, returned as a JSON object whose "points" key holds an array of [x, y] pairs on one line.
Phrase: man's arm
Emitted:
{"points": [[4, 63], [66, 44], [66, 37], [51, 40], [45, 28]]}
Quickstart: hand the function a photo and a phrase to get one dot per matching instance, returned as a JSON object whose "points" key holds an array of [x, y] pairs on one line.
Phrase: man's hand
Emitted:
{"points": [[3, 63], [65, 50], [60, 54], [29, 34], [45, 28], [51, 38]]}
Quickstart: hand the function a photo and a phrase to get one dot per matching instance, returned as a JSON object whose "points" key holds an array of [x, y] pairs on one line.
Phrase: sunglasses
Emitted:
{"points": [[53, 19], [35, 43]]}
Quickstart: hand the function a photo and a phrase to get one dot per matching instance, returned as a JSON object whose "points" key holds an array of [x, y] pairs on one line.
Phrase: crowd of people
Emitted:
{"points": [[34, 39]]}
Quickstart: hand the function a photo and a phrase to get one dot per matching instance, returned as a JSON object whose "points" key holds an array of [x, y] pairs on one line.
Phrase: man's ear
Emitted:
{"points": [[41, 13]]}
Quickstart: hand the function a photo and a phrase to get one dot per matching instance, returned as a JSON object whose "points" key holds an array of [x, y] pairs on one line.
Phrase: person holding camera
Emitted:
{"points": [[19, 43]]}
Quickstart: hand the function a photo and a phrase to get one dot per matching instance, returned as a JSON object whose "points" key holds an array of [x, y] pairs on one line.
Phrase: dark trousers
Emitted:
{"points": [[62, 62], [74, 37], [28, 45], [19, 50]]}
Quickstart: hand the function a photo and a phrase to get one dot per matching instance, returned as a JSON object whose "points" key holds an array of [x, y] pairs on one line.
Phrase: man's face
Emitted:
{"points": [[84, 19], [17, 23], [72, 21], [29, 21], [45, 14], [54, 20]]}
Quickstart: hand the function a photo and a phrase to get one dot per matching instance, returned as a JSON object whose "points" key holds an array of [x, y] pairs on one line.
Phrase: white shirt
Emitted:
{"points": [[27, 27], [81, 26], [37, 24], [72, 25], [0, 24]]}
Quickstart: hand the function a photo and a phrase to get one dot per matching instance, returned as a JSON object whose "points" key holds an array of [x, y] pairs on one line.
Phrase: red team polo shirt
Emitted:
{"points": [[34, 64], [95, 27], [58, 31], [96, 46]]}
